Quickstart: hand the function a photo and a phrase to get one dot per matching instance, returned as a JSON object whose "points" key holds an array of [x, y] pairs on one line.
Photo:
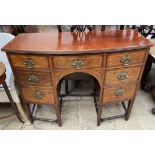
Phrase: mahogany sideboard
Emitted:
{"points": [[116, 59]]}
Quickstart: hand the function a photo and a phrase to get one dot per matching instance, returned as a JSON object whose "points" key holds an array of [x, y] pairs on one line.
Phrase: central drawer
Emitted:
{"points": [[118, 76], [77, 62], [38, 95]]}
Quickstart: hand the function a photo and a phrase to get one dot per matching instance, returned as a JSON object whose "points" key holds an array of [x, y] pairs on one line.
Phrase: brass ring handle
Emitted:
{"points": [[78, 63], [119, 92], [126, 60], [34, 79], [29, 63], [38, 94], [122, 76]]}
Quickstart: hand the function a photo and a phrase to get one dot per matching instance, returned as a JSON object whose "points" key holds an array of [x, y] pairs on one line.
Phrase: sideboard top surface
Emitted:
{"points": [[77, 43]]}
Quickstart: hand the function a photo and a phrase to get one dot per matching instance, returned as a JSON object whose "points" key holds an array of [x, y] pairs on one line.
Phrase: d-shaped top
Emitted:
{"points": [[77, 42]]}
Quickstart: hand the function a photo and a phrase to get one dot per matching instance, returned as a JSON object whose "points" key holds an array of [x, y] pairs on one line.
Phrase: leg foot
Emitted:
{"points": [[130, 104], [57, 111], [99, 115], [26, 106]]}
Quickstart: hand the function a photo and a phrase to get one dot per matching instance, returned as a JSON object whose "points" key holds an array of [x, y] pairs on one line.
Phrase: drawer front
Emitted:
{"points": [[118, 93], [77, 62], [33, 78], [125, 58], [118, 76], [29, 61], [38, 95]]}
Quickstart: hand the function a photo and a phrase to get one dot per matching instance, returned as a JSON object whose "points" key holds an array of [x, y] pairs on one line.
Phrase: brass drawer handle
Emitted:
{"points": [[38, 94], [78, 63], [119, 92], [29, 63], [34, 79], [122, 76], [126, 60]]}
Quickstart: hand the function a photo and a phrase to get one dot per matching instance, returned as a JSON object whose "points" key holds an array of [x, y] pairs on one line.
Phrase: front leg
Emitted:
{"points": [[58, 115], [99, 114], [128, 112]]}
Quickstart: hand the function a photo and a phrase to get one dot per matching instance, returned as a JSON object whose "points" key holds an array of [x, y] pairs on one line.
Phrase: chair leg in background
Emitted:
{"points": [[11, 101]]}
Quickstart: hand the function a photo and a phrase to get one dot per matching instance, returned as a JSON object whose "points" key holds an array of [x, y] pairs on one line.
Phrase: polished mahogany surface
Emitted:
{"points": [[76, 43]]}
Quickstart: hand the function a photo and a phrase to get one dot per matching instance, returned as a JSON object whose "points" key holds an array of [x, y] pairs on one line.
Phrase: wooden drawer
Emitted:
{"points": [[29, 61], [34, 78], [125, 58], [119, 93], [118, 76], [38, 95], [77, 62]]}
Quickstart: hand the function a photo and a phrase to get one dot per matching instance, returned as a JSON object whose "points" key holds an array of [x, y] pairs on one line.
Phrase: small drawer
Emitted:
{"points": [[77, 62], [34, 78], [125, 58], [38, 95], [118, 76], [118, 93], [29, 61]]}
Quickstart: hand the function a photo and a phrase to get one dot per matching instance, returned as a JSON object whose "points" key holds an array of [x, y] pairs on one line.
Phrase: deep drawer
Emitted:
{"points": [[119, 93], [38, 95]]}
